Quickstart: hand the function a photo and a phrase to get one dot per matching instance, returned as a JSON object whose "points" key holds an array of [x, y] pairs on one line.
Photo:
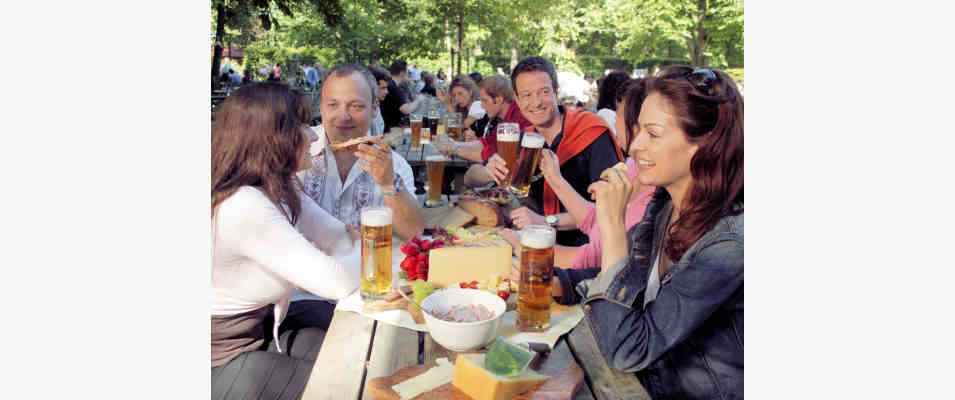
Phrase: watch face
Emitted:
{"points": [[551, 219]]}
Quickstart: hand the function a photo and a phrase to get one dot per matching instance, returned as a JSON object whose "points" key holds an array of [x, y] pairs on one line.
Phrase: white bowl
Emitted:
{"points": [[463, 336]]}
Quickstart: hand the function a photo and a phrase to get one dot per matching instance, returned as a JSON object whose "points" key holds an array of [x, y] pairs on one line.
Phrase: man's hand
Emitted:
{"points": [[498, 168], [469, 135], [523, 216], [445, 145], [376, 161]]}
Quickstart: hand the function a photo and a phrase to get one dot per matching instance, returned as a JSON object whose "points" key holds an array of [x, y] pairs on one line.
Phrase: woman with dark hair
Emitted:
{"points": [[268, 238], [667, 303], [610, 85], [462, 98]]}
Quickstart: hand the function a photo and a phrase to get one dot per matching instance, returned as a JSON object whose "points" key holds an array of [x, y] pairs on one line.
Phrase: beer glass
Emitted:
{"points": [[425, 135], [375, 252], [442, 127], [455, 130], [432, 122], [435, 164], [537, 270], [531, 146], [416, 125], [507, 136]]}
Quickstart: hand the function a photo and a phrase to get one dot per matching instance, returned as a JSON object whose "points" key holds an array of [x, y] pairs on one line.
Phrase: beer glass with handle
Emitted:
{"points": [[376, 226], [530, 156], [537, 271], [508, 135], [435, 164]]}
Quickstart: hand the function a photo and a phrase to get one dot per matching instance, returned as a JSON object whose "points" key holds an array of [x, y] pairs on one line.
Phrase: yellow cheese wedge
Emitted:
{"points": [[471, 378], [449, 266]]}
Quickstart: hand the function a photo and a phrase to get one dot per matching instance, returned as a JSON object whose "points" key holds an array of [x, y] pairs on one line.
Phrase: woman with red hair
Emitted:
{"points": [[667, 301]]}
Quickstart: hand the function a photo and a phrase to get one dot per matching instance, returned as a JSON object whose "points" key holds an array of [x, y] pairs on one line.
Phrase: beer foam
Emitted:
{"points": [[532, 141], [508, 137], [435, 157], [376, 217], [539, 237]]}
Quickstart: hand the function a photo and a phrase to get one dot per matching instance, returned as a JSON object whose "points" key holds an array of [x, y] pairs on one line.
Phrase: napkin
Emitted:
{"points": [[430, 380]]}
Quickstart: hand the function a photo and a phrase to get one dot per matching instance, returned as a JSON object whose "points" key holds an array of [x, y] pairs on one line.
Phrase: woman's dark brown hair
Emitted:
{"points": [[257, 141], [633, 92], [711, 114], [468, 84]]}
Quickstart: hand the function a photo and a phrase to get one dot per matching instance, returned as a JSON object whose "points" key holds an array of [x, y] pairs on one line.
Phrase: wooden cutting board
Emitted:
{"points": [[566, 377]]}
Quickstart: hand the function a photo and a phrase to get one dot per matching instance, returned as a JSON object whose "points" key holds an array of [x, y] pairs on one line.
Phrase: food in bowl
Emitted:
{"points": [[463, 336], [465, 313]]}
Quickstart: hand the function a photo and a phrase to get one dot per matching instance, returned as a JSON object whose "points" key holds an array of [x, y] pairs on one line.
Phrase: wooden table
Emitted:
{"points": [[358, 349]]}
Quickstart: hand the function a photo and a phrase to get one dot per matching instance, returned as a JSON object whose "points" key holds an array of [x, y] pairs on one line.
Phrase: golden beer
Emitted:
{"points": [[537, 270], [455, 130], [435, 165], [508, 135], [531, 146], [442, 127], [416, 125], [375, 252], [425, 135]]}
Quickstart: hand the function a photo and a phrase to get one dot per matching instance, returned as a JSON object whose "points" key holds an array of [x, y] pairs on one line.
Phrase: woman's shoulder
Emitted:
{"points": [[241, 203]]}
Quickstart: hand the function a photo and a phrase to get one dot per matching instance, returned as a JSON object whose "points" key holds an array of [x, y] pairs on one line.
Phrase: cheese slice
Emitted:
{"points": [[471, 378], [449, 266]]}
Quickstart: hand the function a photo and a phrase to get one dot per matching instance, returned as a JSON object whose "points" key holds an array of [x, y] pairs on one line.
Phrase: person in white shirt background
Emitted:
{"points": [[344, 181], [268, 238], [607, 99]]}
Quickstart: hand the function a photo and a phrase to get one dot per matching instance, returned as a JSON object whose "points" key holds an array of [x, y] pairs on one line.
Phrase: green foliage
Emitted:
{"points": [[583, 36]]}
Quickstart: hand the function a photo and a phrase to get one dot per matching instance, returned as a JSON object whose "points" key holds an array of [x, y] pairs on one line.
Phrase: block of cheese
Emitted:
{"points": [[449, 266], [471, 378]]}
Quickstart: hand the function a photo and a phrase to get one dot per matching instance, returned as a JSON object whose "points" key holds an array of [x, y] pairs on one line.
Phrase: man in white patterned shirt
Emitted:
{"points": [[344, 181]]}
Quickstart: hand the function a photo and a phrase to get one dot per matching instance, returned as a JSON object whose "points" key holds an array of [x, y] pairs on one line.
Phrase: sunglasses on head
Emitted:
{"points": [[702, 78]]}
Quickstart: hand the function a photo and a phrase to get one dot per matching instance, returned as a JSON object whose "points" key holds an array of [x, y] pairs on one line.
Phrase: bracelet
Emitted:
{"points": [[389, 192]]}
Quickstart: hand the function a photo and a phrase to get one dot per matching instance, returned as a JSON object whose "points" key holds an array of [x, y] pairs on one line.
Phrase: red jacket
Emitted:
{"points": [[581, 128]]}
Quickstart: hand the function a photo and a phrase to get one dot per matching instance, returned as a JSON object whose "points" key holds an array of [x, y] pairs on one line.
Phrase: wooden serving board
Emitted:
{"points": [[566, 378]]}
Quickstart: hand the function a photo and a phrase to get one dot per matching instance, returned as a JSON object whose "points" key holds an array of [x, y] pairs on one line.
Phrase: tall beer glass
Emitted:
{"points": [[432, 122], [425, 135], [537, 270], [455, 130], [442, 127], [507, 136], [416, 124], [531, 146], [375, 252], [435, 164]]}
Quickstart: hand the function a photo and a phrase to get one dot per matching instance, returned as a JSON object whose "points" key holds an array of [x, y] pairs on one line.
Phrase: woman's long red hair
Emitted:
{"points": [[712, 118]]}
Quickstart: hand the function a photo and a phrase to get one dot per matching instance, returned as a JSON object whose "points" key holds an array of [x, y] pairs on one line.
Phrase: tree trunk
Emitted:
{"points": [[513, 56], [447, 42], [460, 38], [217, 49], [698, 45]]}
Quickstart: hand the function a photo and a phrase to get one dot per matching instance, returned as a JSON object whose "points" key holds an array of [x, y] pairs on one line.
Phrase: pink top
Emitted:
{"points": [[589, 254]]}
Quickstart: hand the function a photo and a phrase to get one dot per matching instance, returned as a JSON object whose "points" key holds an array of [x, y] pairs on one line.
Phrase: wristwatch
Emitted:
{"points": [[552, 220]]}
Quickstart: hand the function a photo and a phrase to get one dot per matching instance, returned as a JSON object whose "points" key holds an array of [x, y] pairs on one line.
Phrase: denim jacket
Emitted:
{"points": [[688, 342]]}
